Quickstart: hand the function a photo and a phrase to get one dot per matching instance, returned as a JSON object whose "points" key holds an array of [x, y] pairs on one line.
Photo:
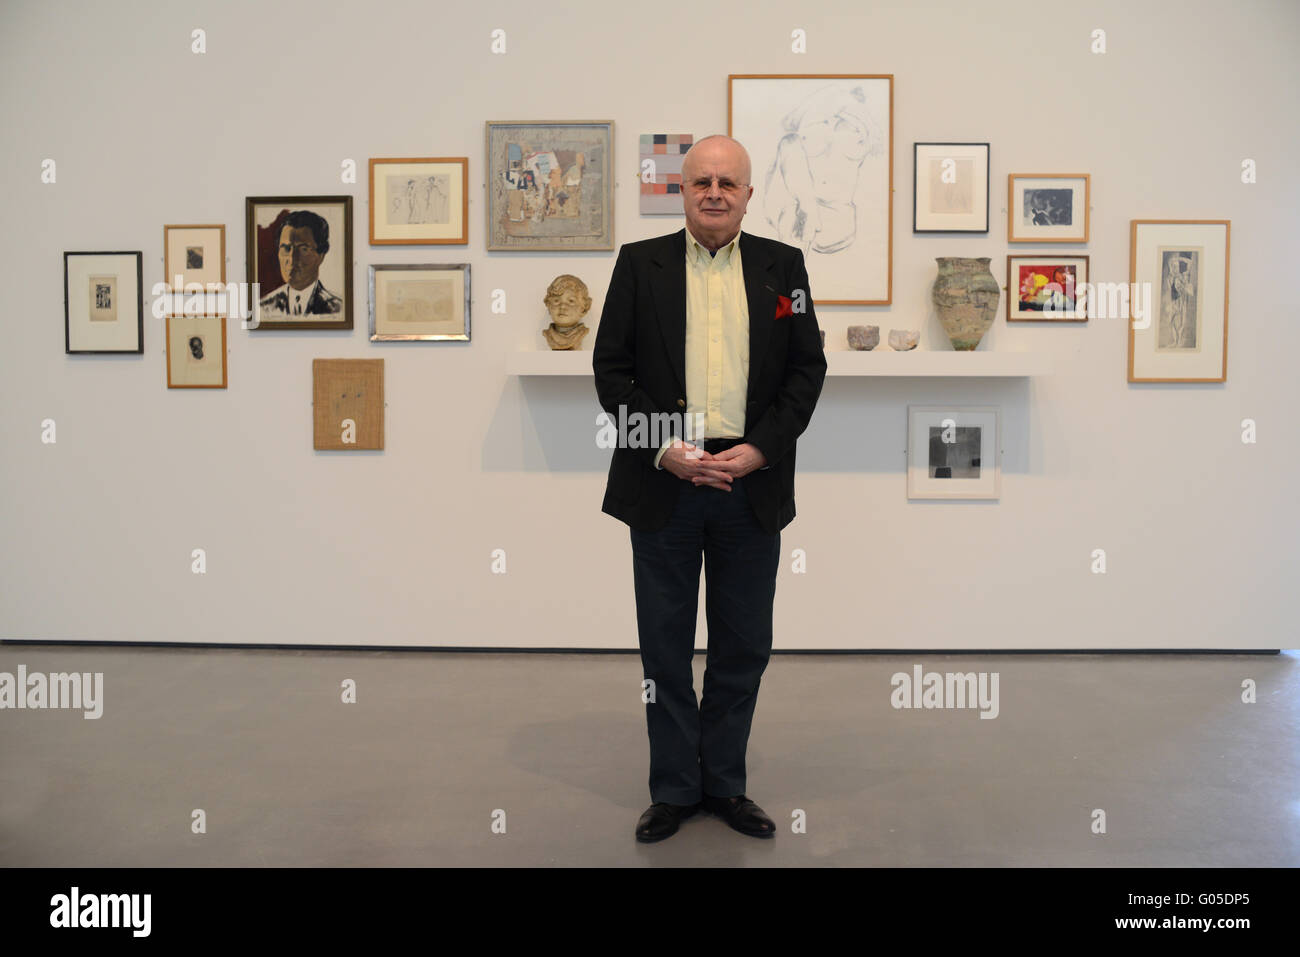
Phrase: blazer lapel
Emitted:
{"points": [[669, 290], [760, 294]]}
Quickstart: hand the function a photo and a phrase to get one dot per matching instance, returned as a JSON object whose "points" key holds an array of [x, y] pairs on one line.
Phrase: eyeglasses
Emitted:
{"points": [[703, 183], [302, 249]]}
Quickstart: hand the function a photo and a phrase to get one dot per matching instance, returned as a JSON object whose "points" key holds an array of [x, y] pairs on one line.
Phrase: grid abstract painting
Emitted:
{"points": [[661, 172]]}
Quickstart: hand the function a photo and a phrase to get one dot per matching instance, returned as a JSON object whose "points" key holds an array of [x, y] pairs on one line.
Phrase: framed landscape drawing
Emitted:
{"points": [[196, 352], [419, 302], [194, 254], [550, 186], [1178, 273], [1048, 208], [300, 252], [1046, 288], [950, 187], [954, 452], [822, 153], [419, 202], [103, 304]]}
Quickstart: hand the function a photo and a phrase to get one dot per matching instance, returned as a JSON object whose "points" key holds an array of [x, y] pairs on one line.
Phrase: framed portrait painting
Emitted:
{"points": [[196, 352], [419, 202], [103, 304], [950, 187], [299, 262], [822, 158], [954, 452], [550, 186], [194, 254], [1048, 208], [1047, 288], [1178, 281], [412, 302]]}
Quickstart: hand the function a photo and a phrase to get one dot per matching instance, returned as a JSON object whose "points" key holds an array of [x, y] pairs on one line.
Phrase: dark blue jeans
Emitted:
{"points": [[701, 749]]}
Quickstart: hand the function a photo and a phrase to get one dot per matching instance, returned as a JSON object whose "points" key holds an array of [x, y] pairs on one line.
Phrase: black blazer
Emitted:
{"points": [[640, 363]]}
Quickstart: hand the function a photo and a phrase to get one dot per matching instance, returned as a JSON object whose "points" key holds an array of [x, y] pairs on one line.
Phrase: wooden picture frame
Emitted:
{"points": [[329, 293], [192, 365], [419, 302], [99, 289], [181, 246], [1046, 288], [550, 185], [1048, 207], [1178, 271], [848, 244], [431, 206], [949, 451]]}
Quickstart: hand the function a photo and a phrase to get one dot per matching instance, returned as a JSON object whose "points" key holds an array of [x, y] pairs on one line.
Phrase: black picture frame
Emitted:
{"points": [[139, 303], [975, 230]]}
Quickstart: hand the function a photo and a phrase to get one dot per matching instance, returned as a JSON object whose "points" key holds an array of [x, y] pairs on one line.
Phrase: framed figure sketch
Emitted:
{"points": [[300, 258], [1179, 333], [822, 153], [419, 202], [103, 305]]}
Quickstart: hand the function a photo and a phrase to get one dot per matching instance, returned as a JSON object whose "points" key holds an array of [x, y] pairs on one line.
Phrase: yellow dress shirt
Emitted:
{"points": [[717, 342]]}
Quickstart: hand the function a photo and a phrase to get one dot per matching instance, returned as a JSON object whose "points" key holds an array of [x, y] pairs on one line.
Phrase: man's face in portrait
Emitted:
{"points": [[714, 197], [299, 260]]}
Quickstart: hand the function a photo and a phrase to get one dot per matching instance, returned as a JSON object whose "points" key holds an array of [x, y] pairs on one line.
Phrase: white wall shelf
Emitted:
{"points": [[918, 363]]}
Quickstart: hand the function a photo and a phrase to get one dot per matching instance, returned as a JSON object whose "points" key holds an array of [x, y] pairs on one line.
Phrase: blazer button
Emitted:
{"points": [[681, 403]]}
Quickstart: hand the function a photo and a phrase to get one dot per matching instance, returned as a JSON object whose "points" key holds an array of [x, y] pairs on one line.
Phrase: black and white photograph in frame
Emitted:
{"points": [[1048, 208], [103, 302], [950, 187], [954, 452]]}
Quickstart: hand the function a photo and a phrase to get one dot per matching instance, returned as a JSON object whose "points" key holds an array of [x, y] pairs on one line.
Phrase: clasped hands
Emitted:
{"points": [[689, 462]]}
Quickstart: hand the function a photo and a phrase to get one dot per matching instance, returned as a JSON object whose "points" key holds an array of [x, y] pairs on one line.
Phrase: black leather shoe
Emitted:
{"points": [[660, 820], [742, 814]]}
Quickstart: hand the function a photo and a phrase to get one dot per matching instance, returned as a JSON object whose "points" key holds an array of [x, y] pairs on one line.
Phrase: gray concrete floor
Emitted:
{"points": [[411, 774]]}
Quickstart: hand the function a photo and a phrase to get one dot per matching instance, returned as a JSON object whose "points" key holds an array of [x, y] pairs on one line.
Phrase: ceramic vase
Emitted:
{"points": [[966, 297]]}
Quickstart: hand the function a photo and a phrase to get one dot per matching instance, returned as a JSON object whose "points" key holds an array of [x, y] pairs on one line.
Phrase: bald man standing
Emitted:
{"points": [[717, 326]]}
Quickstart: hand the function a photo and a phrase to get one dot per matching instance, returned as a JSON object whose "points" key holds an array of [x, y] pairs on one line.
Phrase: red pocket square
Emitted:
{"points": [[784, 307]]}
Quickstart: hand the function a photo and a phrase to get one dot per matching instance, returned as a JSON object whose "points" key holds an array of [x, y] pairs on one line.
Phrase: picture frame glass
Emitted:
{"points": [[196, 352], [1047, 208], [950, 188], [300, 257], [418, 202], [195, 254], [103, 305], [954, 452], [419, 302], [821, 150], [1047, 288]]}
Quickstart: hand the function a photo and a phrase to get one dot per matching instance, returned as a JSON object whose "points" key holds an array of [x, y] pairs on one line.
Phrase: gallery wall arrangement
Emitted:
{"points": [[977, 349]]}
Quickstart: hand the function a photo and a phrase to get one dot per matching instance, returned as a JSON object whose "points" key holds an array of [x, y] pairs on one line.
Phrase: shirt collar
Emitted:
{"points": [[701, 254]]}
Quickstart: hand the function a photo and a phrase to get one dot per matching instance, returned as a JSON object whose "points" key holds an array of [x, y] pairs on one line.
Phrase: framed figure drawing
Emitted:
{"points": [[300, 258], [1047, 208], [1047, 288], [550, 186], [950, 187], [196, 352], [419, 202], [194, 254], [954, 452], [419, 302], [1178, 272], [821, 148], [103, 304]]}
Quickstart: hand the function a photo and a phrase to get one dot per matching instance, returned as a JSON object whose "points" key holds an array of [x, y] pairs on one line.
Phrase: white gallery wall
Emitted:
{"points": [[397, 547]]}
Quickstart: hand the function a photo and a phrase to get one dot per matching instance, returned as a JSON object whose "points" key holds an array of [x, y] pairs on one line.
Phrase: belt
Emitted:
{"points": [[714, 446]]}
